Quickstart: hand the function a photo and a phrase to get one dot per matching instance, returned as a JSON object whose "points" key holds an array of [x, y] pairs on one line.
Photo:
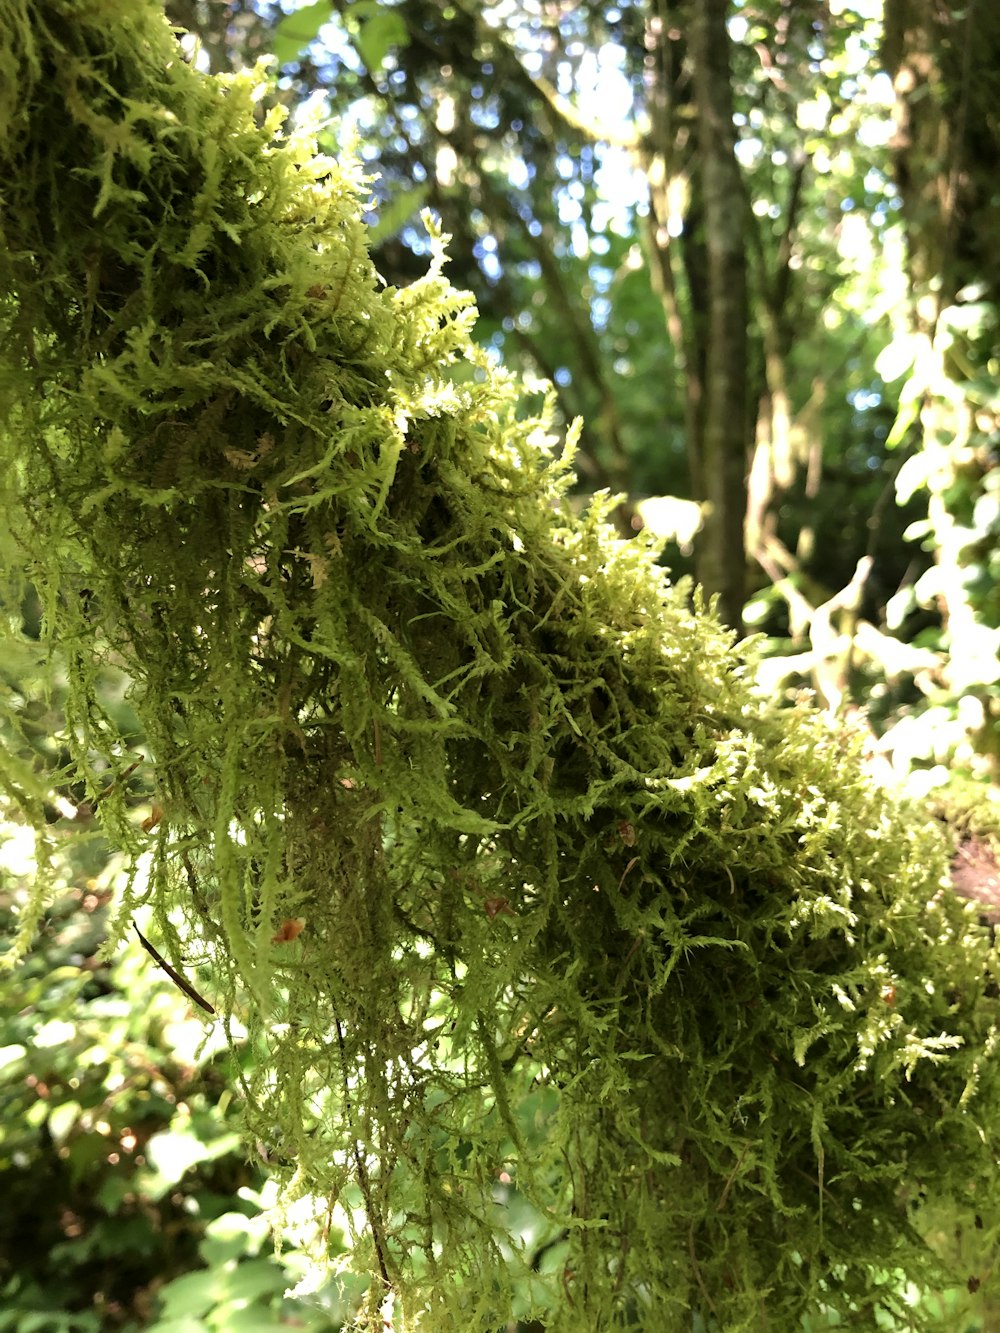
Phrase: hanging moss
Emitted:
{"points": [[583, 920]]}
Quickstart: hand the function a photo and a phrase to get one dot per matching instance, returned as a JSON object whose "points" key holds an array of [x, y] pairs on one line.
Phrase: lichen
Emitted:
{"points": [[584, 922]]}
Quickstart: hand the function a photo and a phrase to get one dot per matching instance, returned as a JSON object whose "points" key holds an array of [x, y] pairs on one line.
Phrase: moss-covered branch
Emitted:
{"points": [[581, 917]]}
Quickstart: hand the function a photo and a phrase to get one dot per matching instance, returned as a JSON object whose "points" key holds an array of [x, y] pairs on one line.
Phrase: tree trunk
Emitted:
{"points": [[723, 444]]}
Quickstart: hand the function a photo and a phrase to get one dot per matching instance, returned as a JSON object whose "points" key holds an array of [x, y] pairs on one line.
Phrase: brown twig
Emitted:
{"points": [[697, 1271], [732, 1176], [173, 974], [364, 1181]]}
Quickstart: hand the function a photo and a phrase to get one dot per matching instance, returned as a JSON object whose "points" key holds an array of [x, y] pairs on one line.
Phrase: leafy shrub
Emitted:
{"points": [[120, 1169]]}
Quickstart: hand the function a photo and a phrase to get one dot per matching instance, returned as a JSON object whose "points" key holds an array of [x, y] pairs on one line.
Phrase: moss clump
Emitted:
{"points": [[583, 921]]}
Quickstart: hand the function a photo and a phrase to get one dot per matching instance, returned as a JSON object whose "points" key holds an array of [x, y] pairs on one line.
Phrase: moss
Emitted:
{"points": [[579, 909]]}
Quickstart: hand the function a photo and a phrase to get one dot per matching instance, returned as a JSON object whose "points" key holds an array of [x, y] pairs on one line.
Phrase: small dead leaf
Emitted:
{"points": [[319, 568], [153, 818], [290, 929], [631, 866], [627, 833], [494, 906], [247, 459], [243, 459]]}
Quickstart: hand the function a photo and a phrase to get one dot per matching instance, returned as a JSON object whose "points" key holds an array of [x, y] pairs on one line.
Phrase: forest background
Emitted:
{"points": [[754, 248]]}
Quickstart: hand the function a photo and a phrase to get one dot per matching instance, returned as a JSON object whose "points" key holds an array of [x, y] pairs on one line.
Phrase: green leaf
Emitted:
{"points": [[378, 35], [191, 1294], [251, 1320], [906, 418], [112, 1191], [232, 1236], [251, 1280], [62, 1119], [295, 31], [395, 212], [897, 357], [9, 1055], [174, 1152]]}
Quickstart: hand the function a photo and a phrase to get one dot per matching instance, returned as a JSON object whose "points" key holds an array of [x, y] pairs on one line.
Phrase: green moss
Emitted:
{"points": [[579, 909]]}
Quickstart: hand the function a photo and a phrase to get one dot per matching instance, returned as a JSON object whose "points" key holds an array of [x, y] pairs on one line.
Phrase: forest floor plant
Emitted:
{"points": [[521, 889]]}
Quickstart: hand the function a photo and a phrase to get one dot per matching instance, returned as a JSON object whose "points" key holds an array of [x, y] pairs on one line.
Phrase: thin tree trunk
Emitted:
{"points": [[721, 563]]}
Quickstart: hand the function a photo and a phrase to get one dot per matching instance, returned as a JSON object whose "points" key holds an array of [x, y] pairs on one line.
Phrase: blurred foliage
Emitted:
{"points": [[129, 1201]]}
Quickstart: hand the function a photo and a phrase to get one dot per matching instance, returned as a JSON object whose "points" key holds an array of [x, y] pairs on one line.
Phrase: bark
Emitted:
{"points": [[720, 552], [943, 60]]}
